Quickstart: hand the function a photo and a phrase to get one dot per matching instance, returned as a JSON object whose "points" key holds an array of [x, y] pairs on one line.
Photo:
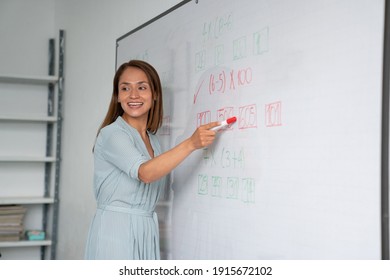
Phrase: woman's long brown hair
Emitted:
{"points": [[115, 110]]}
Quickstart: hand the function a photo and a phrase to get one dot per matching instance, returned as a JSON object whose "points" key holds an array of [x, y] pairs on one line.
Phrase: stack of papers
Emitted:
{"points": [[11, 222]]}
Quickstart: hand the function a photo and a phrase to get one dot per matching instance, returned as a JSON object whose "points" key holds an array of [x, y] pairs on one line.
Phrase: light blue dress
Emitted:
{"points": [[125, 225]]}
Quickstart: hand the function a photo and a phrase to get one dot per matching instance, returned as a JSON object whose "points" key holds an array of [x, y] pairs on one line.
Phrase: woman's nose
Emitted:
{"points": [[134, 93]]}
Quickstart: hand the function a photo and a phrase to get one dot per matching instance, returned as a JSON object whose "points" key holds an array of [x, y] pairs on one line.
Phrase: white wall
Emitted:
{"points": [[25, 28], [92, 27]]}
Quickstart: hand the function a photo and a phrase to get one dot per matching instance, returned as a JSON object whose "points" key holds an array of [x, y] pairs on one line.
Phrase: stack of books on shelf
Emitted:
{"points": [[11, 222]]}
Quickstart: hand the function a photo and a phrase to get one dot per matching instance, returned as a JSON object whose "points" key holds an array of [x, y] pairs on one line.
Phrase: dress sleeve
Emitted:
{"points": [[119, 148]]}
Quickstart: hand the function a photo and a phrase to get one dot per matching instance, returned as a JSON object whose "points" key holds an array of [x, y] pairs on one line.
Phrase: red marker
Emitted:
{"points": [[224, 123]]}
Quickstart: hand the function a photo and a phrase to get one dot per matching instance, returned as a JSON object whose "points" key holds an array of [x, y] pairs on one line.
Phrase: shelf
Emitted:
{"points": [[44, 164], [34, 80], [26, 159], [25, 243], [28, 118], [26, 200]]}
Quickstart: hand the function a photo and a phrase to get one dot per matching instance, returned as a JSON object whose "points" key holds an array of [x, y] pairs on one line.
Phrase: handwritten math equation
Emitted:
{"points": [[234, 188], [223, 81], [246, 115], [224, 158], [229, 187], [214, 51], [229, 80]]}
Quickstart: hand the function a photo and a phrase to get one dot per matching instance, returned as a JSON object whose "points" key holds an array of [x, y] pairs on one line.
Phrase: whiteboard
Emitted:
{"points": [[298, 175]]}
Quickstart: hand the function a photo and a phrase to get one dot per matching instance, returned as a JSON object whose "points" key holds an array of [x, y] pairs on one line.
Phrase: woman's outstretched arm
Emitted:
{"points": [[163, 164]]}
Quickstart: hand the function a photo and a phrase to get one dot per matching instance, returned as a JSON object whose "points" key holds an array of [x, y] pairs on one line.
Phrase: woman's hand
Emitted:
{"points": [[203, 136]]}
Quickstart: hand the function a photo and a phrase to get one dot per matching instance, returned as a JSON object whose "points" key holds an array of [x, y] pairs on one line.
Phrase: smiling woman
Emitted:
{"points": [[135, 96], [130, 167], [123, 80]]}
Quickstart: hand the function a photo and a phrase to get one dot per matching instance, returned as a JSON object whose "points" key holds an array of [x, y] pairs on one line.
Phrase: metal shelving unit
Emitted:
{"points": [[52, 119]]}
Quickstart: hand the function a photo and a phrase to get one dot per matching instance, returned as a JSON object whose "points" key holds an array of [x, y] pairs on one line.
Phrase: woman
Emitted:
{"points": [[130, 169]]}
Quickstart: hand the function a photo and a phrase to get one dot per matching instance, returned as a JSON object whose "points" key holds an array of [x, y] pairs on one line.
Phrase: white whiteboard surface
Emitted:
{"points": [[298, 175]]}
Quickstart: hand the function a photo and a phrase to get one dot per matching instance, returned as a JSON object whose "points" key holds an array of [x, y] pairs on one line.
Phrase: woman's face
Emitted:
{"points": [[135, 95]]}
